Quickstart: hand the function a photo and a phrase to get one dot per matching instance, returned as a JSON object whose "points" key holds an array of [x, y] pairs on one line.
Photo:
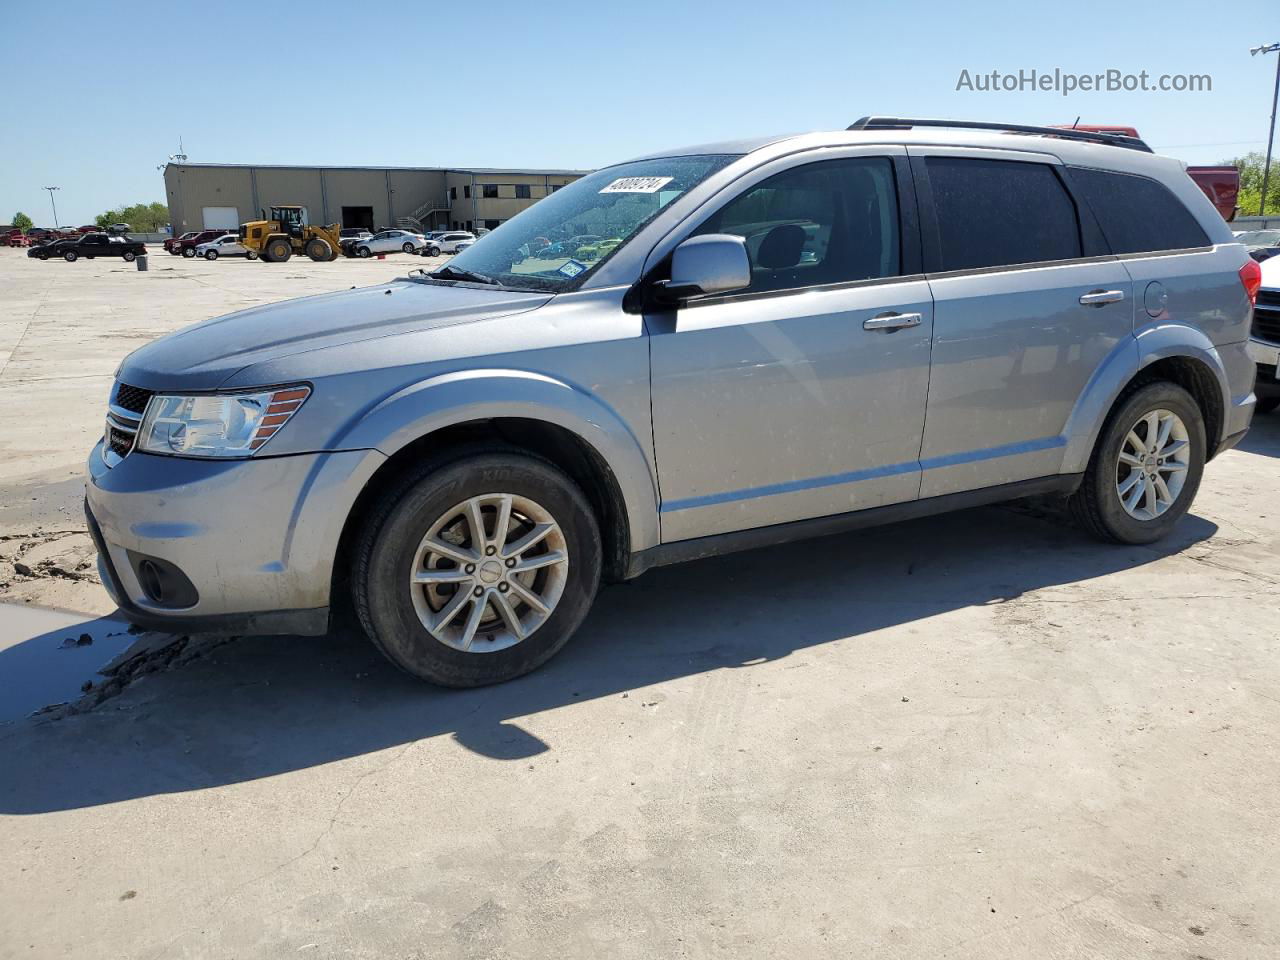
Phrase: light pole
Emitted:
{"points": [[1266, 170], [55, 206]]}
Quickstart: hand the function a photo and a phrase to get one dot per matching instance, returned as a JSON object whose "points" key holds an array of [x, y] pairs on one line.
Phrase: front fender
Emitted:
{"points": [[466, 395], [1130, 356]]}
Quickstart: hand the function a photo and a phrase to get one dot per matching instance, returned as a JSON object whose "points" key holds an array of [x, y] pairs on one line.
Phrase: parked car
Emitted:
{"points": [[50, 248], [170, 243], [461, 245], [597, 250], [18, 240], [1261, 244], [93, 245], [350, 238], [465, 454], [118, 228], [186, 245], [1264, 340], [447, 243], [390, 241], [566, 248], [228, 245]]}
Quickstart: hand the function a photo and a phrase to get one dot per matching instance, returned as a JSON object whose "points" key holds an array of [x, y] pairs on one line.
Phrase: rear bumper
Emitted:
{"points": [[254, 540]]}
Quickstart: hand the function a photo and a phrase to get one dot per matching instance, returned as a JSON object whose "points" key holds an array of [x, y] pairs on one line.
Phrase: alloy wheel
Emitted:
{"points": [[489, 572], [1152, 465]]}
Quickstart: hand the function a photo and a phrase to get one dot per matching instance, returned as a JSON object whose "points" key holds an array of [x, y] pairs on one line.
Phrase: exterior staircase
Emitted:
{"points": [[415, 221]]}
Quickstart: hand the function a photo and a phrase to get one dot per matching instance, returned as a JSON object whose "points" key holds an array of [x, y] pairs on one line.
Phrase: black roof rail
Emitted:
{"points": [[1063, 133]]}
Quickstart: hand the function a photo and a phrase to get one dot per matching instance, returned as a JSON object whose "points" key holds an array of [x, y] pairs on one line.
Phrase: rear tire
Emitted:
{"points": [[407, 248], [251, 255], [394, 612], [129, 256], [278, 250], [1097, 505], [188, 252]]}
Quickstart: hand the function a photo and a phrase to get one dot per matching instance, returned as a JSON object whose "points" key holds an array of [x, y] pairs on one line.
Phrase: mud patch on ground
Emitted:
{"points": [[151, 653], [68, 553]]}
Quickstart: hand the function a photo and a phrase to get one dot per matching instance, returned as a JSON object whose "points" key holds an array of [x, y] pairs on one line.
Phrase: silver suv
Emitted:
{"points": [[756, 341]]}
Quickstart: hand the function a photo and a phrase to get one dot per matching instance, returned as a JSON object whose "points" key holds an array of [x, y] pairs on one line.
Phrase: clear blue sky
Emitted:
{"points": [[108, 88]]}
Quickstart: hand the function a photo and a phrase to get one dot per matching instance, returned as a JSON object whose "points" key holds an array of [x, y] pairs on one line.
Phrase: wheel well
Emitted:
{"points": [[1197, 379], [555, 444]]}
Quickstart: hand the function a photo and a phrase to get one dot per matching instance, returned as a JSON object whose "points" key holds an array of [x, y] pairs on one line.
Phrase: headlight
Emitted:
{"points": [[217, 425]]}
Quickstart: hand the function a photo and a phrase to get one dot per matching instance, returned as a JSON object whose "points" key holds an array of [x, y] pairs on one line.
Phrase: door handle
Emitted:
{"points": [[1098, 298], [892, 321]]}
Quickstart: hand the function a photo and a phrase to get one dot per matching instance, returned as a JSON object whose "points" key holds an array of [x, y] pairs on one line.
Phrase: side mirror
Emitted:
{"points": [[707, 265]]}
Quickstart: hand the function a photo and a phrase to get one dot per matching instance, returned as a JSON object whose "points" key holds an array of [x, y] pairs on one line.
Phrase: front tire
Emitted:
{"points": [[251, 255], [478, 569], [211, 254], [433, 251], [363, 252], [1146, 466], [319, 250], [69, 256]]}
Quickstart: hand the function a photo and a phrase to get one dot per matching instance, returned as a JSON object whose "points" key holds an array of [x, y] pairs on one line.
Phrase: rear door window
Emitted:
{"points": [[995, 213], [1137, 214]]}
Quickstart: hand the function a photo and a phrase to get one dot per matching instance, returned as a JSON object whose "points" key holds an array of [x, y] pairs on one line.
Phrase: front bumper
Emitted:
{"points": [[255, 538], [1266, 355]]}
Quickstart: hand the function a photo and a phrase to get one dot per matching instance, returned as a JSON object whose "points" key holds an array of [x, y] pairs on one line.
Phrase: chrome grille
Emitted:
{"points": [[124, 417], [1266, 316]]}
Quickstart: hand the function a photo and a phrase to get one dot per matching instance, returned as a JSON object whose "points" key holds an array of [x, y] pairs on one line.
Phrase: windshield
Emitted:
{"points": [[559, 241], [1260, 238]]}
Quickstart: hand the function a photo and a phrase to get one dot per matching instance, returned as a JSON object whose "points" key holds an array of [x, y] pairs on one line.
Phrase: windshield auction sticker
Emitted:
{"points": [[637, 185], [571, 268]]}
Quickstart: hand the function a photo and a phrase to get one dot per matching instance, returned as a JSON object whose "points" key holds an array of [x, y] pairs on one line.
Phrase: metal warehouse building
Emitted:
{"points": [[219, 195]]}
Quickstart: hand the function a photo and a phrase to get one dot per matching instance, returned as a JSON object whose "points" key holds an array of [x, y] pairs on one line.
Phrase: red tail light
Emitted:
{"points": [[1251, 277]]}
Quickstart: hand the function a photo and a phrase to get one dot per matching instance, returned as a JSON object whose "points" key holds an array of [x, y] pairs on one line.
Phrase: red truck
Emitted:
{"points": [[186, 244], [1220, 184]]}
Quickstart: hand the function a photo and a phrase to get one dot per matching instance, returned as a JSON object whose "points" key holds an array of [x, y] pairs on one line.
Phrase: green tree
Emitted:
{"points": [[22, 221], [1250, 167], [141, 217]]}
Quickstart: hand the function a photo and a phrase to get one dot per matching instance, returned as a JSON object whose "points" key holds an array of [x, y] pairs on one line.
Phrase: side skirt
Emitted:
{"points": [[681, 551]]}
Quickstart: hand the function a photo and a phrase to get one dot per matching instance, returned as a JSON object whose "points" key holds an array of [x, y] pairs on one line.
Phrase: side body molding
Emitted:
{"points": [[466, 395], [1130, 356]]}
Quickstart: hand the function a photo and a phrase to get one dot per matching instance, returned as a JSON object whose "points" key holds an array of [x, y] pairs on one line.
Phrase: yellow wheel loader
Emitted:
{"points": [[287, 232]]}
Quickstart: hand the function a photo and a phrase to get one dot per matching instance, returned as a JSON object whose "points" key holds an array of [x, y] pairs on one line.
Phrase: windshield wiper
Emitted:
{"points": [[450, 269]]}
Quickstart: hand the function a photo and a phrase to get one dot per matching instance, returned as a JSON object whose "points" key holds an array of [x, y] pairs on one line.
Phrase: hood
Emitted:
{"points": [[1271, 273], [206, 355]]}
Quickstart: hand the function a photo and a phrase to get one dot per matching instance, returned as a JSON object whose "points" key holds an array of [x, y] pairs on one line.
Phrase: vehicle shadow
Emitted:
{"points": [[1263, 436], [258, 707]]}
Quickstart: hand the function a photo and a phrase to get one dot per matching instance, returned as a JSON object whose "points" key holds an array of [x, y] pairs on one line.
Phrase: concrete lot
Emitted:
{"points": [[979, 736]]}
